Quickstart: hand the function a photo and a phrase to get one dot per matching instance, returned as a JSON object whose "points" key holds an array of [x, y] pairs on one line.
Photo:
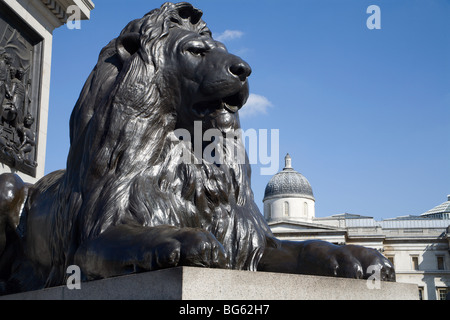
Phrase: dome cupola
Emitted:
{"points": [[289, 195], [288, 183]]}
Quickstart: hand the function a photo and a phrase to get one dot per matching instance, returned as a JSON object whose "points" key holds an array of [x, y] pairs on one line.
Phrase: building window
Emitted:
{"points": [[421, 297], [415, 262], [442, 293], [440, 263], [286, 209], [305, 208]]}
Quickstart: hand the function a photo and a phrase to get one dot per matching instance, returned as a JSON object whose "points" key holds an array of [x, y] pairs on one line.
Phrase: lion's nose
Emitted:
{"points": [[241, 69]]}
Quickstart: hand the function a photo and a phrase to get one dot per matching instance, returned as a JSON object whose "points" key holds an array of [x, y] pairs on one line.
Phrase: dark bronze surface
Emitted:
{"points": [[127, 201]]}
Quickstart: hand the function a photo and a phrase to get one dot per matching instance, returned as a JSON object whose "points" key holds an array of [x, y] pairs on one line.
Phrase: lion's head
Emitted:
{"points": [[164, 72], [167, 59], [215, 80], [207, 83]]}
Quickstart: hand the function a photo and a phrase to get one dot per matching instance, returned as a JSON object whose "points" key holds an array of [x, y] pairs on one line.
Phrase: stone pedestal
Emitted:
{"points": [[187, 283]]}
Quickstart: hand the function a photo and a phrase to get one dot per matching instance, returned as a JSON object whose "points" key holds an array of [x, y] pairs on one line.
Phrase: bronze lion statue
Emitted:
{"points": [[129, 201]]}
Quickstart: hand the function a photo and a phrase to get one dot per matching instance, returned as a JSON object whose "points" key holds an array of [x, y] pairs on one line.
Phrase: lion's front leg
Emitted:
{"points": [[126, 249], [315, 257]]}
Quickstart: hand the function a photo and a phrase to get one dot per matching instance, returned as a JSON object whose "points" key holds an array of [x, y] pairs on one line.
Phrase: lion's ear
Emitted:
{"points": [[127, 45]]}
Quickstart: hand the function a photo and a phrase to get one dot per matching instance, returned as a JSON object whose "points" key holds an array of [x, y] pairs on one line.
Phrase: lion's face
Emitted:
{"points": [[213, 82]]}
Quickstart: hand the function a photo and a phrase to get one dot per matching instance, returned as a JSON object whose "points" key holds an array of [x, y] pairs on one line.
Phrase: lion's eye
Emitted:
{"points": [[196, 47], [197, 51]]}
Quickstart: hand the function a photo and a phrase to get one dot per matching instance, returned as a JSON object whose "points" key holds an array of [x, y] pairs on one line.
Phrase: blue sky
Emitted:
{"points": [[365, 114]]}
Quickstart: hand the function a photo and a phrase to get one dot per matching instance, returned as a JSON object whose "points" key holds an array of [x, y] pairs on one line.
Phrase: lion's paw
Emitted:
{"points": [[359, 262], [348, 261], [125, 249], [187, 247]]}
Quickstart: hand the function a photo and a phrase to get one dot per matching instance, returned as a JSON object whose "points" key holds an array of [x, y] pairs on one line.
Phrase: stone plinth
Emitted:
{"points": [[187, 283]]}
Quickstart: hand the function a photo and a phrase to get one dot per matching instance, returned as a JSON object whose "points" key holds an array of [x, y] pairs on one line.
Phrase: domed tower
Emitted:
{"points": [[289, 195]]}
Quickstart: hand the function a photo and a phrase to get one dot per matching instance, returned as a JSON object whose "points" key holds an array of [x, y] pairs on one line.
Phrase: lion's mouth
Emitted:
{"points": [[231, 104]]}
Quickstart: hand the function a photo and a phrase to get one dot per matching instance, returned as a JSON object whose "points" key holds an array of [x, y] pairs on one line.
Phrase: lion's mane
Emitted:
{"points": [[124, 160]]}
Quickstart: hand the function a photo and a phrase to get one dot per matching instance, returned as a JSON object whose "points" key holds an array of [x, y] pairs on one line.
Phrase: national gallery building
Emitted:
{"points": [[417, 245]]}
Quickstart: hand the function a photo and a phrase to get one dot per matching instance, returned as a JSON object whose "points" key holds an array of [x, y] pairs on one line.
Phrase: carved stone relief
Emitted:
{"points": [[20, 63]]}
